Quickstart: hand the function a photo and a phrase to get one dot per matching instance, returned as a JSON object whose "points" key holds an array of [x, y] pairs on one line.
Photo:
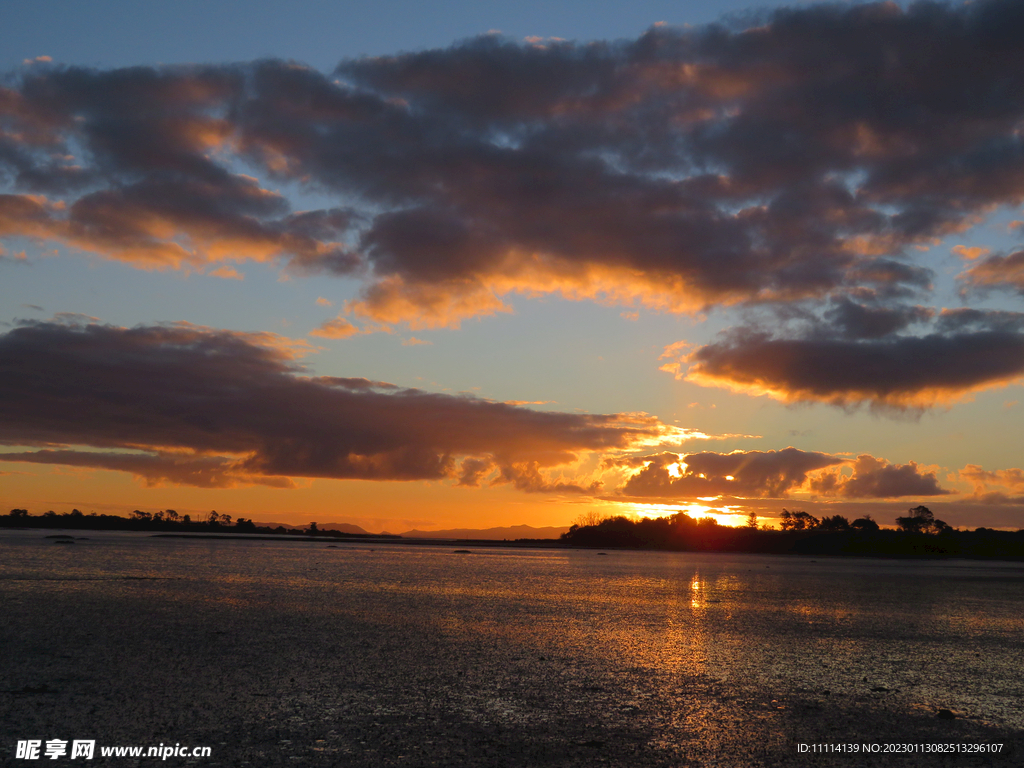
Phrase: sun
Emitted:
{"points": [[723, 515]]}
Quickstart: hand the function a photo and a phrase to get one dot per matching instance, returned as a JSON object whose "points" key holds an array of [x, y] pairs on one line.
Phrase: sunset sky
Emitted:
{"points": [[464, 264]]}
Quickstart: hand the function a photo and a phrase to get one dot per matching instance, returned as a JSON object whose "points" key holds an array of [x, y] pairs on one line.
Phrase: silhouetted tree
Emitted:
{"points": [[798, 521], [918, 518], [590, 517], [752, 520], [921, 520], [865, 524], [834, 523]]}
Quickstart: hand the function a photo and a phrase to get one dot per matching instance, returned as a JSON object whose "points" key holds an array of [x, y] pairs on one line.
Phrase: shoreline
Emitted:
{"points": [[541, 544]]}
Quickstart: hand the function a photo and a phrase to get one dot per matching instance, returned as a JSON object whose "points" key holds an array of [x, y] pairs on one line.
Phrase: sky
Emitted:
{"points": [[452, 265]]}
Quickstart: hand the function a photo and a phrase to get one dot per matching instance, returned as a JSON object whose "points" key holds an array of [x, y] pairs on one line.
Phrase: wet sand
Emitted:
{"points": [[353, 657]]}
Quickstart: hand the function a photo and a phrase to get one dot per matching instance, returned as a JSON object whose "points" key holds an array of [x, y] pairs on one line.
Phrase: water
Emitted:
{"points": [[366, 654]]}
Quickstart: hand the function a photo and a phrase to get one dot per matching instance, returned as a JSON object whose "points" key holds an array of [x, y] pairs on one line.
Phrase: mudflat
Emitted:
{"points": [[296, 653]]}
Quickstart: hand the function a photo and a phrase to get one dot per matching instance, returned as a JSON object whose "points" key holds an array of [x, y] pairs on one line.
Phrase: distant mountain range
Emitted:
{"points": [[509, 532]]}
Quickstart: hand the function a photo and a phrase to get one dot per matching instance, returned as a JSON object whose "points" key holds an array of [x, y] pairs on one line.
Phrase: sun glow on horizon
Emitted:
{"points": [[724, 515]]}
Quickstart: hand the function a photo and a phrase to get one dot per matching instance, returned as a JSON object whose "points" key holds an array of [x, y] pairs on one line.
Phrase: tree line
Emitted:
{"points": [[918, 520], [917, 534], [164, 521]]}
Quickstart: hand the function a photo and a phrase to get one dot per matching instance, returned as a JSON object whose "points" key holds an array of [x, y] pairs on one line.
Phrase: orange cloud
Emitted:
{"points": [[708, 475], [341, 327], [338, 328], [970, 253], [229, 273], [984, 481], [995, 273]]}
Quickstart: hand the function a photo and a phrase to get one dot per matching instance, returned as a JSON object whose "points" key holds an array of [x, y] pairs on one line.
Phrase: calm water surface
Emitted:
{"points": [[368, 654]]}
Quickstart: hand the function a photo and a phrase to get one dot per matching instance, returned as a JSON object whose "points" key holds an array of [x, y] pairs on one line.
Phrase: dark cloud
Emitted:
{"points": [[965, 319], [160, 224], [193, 405], [747, 474], [848, 365], [136, 164], [526, 476], [132, 121], [157, 469], [800, 158], [474, 470], [853, 320], [878, 479]]}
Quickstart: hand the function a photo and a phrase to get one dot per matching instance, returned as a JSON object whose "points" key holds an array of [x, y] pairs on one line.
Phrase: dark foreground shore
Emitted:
{"points": [[302, 670]]}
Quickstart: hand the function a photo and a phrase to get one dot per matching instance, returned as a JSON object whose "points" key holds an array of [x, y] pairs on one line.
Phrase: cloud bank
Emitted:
{"points": [[188, 405], [795, 167], [686, 168], [199, 406], [772, 475]]}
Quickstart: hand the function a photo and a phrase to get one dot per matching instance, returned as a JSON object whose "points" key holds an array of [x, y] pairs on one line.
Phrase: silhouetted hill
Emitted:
{"points": [[509, 532]]}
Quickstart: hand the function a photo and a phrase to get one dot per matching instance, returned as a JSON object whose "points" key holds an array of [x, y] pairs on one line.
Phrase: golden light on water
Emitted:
{"points": [[697, 596]]}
